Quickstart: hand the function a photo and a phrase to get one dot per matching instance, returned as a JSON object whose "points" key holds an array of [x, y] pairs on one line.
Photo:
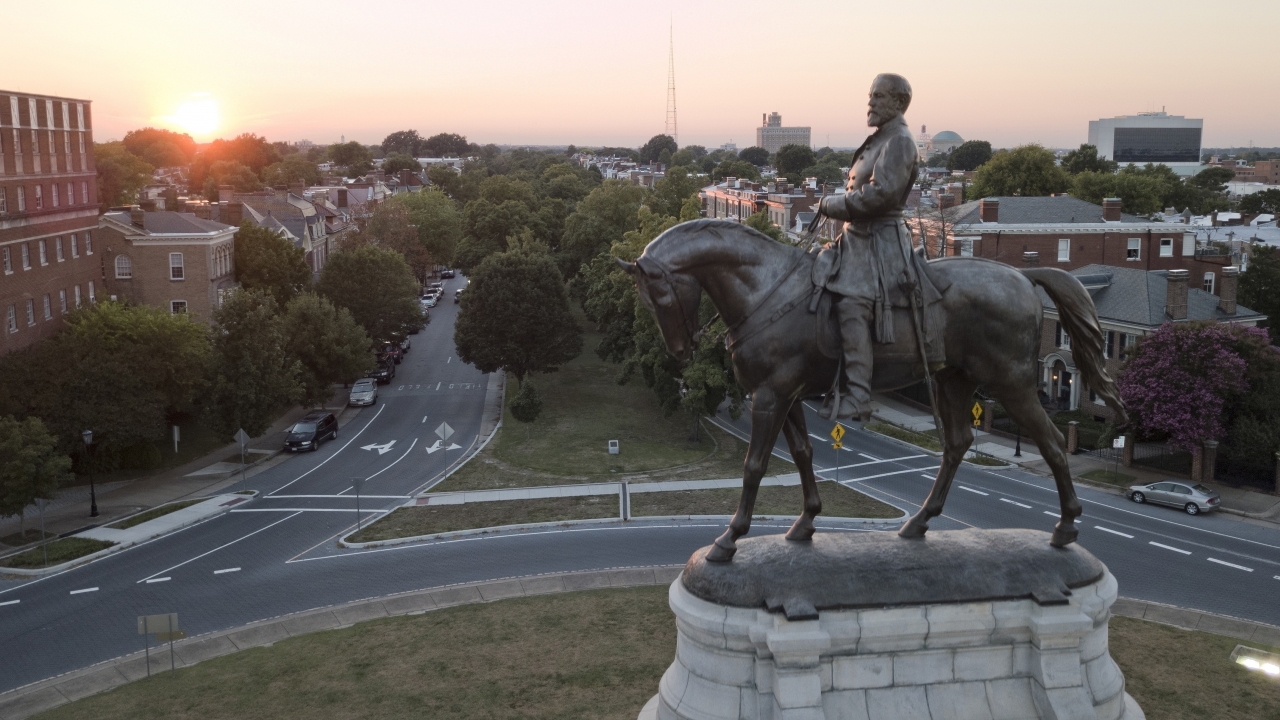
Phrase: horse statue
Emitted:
{"points": [[783, 353]]}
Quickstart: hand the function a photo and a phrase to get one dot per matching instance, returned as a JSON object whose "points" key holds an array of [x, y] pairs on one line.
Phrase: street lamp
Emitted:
{"points": [[93, 495]]}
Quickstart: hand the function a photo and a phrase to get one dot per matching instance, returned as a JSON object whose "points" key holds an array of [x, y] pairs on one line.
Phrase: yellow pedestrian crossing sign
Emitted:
{"points": [[977, 414], [837, 445], [837, 432]]}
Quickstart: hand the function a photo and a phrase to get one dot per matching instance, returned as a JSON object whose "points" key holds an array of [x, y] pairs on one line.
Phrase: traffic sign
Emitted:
{"points": [[837, 445], [242, 437], [977, 414], [837, 432], [1118, 443], [444, 431]]}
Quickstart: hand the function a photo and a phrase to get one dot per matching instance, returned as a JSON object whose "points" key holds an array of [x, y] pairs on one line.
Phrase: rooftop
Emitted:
{"points": [[1138, 297], [168, 222], [1015, 210]]}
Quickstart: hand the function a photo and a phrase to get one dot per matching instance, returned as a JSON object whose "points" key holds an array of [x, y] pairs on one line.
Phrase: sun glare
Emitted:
{"points": [[198, 116]]}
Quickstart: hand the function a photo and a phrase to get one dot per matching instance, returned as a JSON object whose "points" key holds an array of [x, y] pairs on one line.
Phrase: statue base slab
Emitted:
{"points": [[1003, 627]]}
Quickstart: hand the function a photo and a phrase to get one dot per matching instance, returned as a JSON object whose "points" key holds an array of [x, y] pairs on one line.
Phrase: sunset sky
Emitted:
{"points": [[594, 72]]}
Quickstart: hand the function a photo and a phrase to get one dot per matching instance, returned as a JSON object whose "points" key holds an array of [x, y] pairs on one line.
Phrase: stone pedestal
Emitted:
{"points": [[824, 630]]}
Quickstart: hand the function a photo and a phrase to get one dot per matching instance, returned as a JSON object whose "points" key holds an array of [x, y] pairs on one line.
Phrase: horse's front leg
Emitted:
{"points": [[802, 454], [953, 396], [767, 418]]}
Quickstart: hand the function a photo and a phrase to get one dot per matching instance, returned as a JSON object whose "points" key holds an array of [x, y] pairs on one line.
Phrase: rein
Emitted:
{"points": [[732, 341]]}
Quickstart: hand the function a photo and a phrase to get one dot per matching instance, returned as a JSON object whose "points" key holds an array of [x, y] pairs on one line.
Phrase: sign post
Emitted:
{"points": [[44, 545], [837, 434], [165, 628], [176, 437], [1118, 444], [356, 483], [977, 414], [243, 439]]}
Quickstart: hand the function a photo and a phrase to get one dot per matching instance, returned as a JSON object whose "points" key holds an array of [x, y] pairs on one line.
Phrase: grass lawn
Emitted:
{"points": [[60, 551], [29, 535], [837, 501], [928, 442], [1118, 479], [583, 408], [986, 461], [595, 654], [154, 513]]}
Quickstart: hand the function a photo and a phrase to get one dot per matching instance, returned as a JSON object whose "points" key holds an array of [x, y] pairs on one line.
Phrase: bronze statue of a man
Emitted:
{"points": [[872, 269]]}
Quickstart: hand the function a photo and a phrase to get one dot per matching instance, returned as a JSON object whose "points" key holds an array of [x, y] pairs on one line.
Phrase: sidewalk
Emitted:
{"points": [[200, 477], [1234, 500]]}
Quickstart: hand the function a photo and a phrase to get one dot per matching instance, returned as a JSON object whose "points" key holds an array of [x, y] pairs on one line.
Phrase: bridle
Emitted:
{"points": [[695, 335]]}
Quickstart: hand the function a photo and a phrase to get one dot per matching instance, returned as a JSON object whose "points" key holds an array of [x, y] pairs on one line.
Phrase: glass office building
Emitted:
{"points": [[1154, 137]]}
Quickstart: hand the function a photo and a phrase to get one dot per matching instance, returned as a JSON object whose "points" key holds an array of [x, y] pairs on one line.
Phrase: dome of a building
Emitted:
{"points": [[948, 137]]}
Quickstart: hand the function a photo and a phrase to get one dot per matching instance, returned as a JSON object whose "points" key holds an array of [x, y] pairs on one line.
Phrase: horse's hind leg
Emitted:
{"points": [[954, 393], [1025, 409], [802, 453], [767, 418]]}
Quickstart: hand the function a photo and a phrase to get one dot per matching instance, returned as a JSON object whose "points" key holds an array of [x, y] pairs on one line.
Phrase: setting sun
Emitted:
{"points": [[198, 116]]}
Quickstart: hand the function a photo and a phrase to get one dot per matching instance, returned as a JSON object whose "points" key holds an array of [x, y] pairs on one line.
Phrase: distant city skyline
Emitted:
{"points": [[562, 72]]}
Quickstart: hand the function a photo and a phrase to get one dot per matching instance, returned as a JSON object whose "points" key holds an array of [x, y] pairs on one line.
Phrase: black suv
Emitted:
{"points": [[310, 431], [446, 273], [384, 372]]}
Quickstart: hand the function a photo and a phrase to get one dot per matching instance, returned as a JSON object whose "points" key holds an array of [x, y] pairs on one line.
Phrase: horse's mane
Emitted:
{"points": [[694, 236]]}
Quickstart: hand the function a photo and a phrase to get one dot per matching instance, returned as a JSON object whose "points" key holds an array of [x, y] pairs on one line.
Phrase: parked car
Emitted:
{"points": [[364, 392], [1193, 498], [437, 286], [312, 430], [457, 295], [404, 345], [384, 372], [446, 273], [430, 301], [390, 351]]}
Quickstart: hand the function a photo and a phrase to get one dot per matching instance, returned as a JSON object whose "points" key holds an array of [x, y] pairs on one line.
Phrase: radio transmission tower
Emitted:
{"points": [[672, 128]]}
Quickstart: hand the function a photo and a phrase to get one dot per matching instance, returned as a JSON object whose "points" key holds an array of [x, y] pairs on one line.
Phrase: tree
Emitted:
{"points": [[760, 221], [251, 374], [1260, 284], [436, 220], [791, 160], [1139, 194], [30, 465], [826, 171], [445, 145], [1213, 179], [735, 168], [650, 151], [328, 344], [121, 174], [292, 170], [671, 191], [755, 155], [229, 172], [353, 156], [247, 149], [515, 316], [267, 261], [486, 227], [406, 142], [526, 406], [600, 220], [971, 155], [160, 148], [1085, 159], [1028, 170], [1267, 201], [377, 286], [395, 162]]}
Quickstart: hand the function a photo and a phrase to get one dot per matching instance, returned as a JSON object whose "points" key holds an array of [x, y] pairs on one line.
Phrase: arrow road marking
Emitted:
{"points": [[454, 446], [382, 449], [433, 448], [444, 431]]}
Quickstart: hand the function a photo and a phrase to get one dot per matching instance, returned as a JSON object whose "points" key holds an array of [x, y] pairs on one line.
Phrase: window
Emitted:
{"points": [[966, 247], [75, 246], [175, 266], [1208, 282], [124, 267], [17, 151], [26, 257], [1109, 349], [1135, 249], [44, 252], [1061, 338], [62, 301], [177, 306], [1166, 247], [57, 248], [77, 296], [81, 137], [4, 201], [13, 320], [88, 243], [1188, 244], [71, 194], [1064, 251], [39, 197], [48, 308], [66, 147], [31, 313], [84, 191], [93, 297], [22, 199], [8, 262]]}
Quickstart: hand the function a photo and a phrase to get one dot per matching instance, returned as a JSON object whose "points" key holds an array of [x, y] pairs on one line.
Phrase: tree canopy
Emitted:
{"points": [[121, 174], [1260, 284], [293, 169], [755, 155], [251, 375], [247, 149], [407, 142], [267, 261], [160, 148], [377, 286], [650, 151], [792, 160], [1028, 170], [444, 145], [396, 161], [31, 466], [1085, 159], [971, 155], [1139, 194], [328, 344], [353, 156], [600, 220], [1267, 201]]}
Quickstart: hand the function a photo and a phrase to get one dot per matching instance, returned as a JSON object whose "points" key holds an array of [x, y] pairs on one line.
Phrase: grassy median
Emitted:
{"points": [[595, 654], [154, 513], [59, 551], [837, 501]]}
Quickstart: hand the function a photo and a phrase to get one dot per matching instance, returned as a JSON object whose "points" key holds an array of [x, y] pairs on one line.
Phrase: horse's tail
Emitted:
{"points": [[1080, 320]]}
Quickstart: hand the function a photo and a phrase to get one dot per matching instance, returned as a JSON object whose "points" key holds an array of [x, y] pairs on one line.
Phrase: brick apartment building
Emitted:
{"points": [[1131, 302], [178, 261], [48, 214], [1070, 233]]}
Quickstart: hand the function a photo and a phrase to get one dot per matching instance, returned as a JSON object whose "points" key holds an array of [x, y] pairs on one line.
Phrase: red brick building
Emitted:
{"points": [[48, 214]]}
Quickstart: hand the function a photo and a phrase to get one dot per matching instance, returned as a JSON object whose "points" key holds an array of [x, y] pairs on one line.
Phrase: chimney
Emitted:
{"points": [[1031, 259], [225, 192], [147, 205], [138, 216], [181, 206], [203, 210], [989, 210], [1175, 305], [1111, 209], [232, 213], [297, 188], [342, 197], [946, 200], [730, 182], [1227, 289]]}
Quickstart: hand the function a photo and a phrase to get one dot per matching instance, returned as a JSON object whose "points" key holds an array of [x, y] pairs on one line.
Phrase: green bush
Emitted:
{"points": [[142, 456]]}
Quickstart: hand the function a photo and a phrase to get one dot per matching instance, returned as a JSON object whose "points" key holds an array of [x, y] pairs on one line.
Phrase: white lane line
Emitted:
{"points": [[873, 477], [881, 462], [1230, 565], [437, 386], [872, 458], [226, 570], [1277, 577], [1113, 532], [975, 492], [340, 497], [930, 477], [84, 590], [233, 542], [1051, 513], [15, 602], [156, 580], [405, 455], [322, 462], [365, 511], [1170, 547], [424, 418], [1014, 502]]}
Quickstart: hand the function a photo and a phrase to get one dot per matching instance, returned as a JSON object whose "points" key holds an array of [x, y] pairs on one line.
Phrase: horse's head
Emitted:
{"points": [[672, 298]]}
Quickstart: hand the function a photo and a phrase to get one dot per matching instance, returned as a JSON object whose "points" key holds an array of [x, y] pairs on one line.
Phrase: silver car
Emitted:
{"points": [[364, 392], [1193, 498]]}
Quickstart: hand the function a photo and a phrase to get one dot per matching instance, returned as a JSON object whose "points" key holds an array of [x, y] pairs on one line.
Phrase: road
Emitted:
{"points": [[277, 554]]}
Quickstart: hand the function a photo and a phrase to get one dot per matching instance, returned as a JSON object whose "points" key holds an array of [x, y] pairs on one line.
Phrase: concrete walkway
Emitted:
{"points": [[581, 489]]}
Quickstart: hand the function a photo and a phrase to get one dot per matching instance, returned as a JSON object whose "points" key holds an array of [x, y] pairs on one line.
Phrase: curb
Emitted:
{"points": [[606, 521], [38, 697], [1226, 625]]}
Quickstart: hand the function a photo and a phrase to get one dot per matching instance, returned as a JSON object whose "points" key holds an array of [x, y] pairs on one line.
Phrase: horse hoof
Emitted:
{"points": [[1064, 534], [800, 531], [720, 554], [913, 529]]}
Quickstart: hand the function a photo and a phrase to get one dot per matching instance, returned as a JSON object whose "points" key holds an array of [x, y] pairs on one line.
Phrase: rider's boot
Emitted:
{"points": [[855, 333]]}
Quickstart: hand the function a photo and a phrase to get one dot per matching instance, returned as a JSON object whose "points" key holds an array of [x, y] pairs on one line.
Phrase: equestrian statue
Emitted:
{"points": [[869, 313]]}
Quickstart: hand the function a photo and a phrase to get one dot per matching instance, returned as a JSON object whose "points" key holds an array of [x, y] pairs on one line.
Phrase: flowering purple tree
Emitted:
{"points": [[1179, 379]]}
